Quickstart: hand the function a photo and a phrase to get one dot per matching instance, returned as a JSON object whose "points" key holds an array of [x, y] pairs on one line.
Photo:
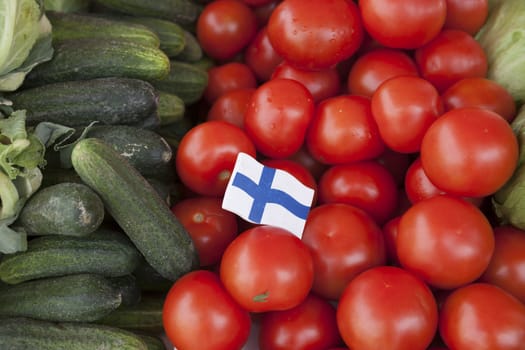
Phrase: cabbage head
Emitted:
{"points": [[503, 39], [25, 40]]}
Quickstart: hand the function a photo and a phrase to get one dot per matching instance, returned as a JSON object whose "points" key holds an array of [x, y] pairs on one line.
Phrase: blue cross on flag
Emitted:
{"points": [[268, 196]]}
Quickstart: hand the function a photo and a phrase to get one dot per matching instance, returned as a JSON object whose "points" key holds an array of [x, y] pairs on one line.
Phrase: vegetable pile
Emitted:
{"points": [[120, 124]]}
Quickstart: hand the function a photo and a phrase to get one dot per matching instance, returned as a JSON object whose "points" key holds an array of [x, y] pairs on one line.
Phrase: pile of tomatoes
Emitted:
{"points": [[383, 108]]}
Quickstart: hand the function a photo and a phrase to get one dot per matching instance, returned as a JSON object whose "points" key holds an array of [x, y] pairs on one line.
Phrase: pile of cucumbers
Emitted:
{"points": [[104, 247]]}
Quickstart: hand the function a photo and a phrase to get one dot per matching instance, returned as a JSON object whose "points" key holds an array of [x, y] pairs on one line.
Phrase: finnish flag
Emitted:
{"points": [[268, 196]]}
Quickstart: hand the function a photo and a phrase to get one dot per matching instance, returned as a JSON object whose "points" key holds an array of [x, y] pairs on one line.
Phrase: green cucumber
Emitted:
{"points": [[136, 207], [67, 26], [149, 280], [145, 316], [113, 100], [172, 38], [192, 51], [146, 150], [85, 59], [105, 252], [152, 342], [71, 298], [68, 208], [25, 333], [129, 289], [185, 80], [171, 108], [179, 11]]}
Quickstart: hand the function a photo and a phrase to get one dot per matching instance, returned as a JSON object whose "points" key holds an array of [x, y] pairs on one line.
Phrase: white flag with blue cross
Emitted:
{"points": [[269, 196]]}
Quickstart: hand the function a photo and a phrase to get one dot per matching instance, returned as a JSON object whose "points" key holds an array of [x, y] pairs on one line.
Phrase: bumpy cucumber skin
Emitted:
{"points": [[184, 12], [71, 209], [105, 252], [185, 80], [72, 298], [145, 316], [146, 150], [85, 59], [136, 207], [67, 26], [25, 333], [77, 103]]}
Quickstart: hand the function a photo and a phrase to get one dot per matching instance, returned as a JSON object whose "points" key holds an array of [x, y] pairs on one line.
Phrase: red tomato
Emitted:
{"points": [[298, 170], [210, 227], [198, 313], [417, 184], [483, 317], [225, 28], [482, 93], [343, 130], [322, 83], [367, 185], [387, 308], [206, 156], [446, 241], [403, 114], [450, 57], [390, 229], [468, 16], [261, 57], [304, 157], [469, 152], [507, 266], [231, 106], [308, 326], [376, 66], [267, 268], [263, 12], [406, 24], [315, 34], [344, 241], [396, 163], [228, 77], [278, 116], [257, 2]]}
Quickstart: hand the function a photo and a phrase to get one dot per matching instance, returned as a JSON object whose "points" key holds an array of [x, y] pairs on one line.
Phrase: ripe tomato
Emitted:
{"points": [[451, 56], [344, 241], [322, 83], [446, 241], [261, 57], [267, 268], [310, 325], [225, 27], [468, 16], [507, 266], [482, 93], [469, 152], [390, 229], [406, 24], [367, 185], [376, 66], [210, 227], [198, 313], [483, 317], [404, 115], [387, 307], [417, 184], [277, 117], [228, 77], [207, 153], [304, 157], [316, 34], [343, 130], [230, 106]]}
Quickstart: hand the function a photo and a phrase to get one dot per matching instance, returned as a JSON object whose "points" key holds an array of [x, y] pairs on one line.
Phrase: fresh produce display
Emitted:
{"points": [[120, 126]]}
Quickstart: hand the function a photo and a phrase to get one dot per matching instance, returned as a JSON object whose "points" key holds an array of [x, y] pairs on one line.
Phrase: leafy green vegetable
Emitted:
{"points": [[25, 40], [503, 39], [509, 201]]}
